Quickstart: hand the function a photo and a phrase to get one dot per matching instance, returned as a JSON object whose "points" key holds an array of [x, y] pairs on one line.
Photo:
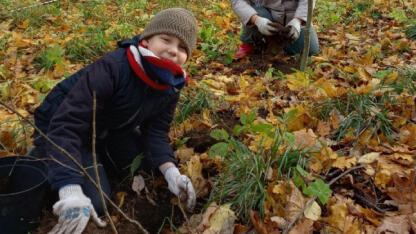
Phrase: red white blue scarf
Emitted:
{"points": [[158, 73]]}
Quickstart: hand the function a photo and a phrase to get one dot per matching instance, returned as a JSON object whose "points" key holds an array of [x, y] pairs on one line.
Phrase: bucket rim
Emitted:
{"points": [[41, 183]]}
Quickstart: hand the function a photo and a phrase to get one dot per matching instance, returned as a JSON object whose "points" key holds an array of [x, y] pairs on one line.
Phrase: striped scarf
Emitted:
{"points": [[160, 74]]}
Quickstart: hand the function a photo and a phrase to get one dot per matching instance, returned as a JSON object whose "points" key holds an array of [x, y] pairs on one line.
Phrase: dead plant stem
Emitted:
{"points": [[94, 159]]}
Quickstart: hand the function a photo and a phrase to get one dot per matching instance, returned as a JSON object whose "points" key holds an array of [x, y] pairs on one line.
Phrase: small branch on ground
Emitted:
{"points": [[314, 198], [185, 216]]}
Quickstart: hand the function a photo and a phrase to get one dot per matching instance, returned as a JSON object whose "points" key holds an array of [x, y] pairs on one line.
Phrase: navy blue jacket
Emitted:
{"points": [[123, 101]]}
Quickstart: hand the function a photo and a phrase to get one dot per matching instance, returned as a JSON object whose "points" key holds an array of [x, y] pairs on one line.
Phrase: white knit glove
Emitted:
{"points": [[294, 26], [73, 209], [181, 186], [265, 26]]}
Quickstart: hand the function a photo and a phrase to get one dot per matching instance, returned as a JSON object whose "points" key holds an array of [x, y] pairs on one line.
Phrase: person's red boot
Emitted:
{"points": [[244, 50]]}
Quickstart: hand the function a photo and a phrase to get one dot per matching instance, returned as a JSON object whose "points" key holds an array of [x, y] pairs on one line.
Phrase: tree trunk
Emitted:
{"points": [[306, 44]]}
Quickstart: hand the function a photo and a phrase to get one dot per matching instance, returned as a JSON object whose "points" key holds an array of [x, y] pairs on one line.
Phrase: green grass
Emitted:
{"points": [[50, 57], [329, 13], [192, 101], [241, 182], [37, 16], [411, 31], [216, 47], [360, 112], [90, 45]]}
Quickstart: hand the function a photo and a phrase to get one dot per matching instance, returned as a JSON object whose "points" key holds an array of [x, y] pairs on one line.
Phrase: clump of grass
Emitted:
{"points": [[92, 44], [291, 159], [411, 31], [329, 13], [360, 112], [50, 57], [244, 174], [37, 16], [213, 46], [192, 101], [242, 181]]}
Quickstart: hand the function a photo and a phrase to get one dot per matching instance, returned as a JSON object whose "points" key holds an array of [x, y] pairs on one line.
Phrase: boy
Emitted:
{"points": [[137, 87]]}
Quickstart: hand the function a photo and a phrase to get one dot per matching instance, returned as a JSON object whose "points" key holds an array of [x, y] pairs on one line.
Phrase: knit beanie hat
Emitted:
{"points": [[174, 21]]}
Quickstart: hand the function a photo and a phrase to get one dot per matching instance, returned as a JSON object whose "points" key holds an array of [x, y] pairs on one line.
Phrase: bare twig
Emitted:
{"points": [[184, 215], [34, 5], [94, 159], [314, 198], [84, 172]]}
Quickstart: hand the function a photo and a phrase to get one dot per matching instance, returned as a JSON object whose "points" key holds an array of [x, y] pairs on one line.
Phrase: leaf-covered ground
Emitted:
{"points": [[259, 139]]}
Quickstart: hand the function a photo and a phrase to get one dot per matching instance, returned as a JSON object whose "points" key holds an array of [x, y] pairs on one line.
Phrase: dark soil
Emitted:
{"points": [[152, 217], [263, 59], [200, 140]]}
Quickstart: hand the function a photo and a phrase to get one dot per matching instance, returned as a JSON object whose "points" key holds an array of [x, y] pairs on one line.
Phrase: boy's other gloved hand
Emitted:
{"points": [[294, 26], [74, 210], [265, 26], [181, 186]]}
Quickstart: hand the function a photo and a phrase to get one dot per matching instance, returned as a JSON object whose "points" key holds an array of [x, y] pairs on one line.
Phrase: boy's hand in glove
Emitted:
{"points": [[74, 210], [181, 186], [294, 27], [265, 26]]}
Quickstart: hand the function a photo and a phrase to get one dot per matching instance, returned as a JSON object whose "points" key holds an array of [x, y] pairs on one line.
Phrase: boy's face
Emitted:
{"points": [[167, 47]]}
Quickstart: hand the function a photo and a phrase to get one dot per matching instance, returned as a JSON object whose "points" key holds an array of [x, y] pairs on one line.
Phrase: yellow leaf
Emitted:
{"points": [[369, 158], [383, 177], [223, 5], [349, 69], [279, 189], [120, 197], [325, 84], [19, 41], [313, 212], [391, 77], [364, 74], [194, 171], [297, 81], [221, 220], [24, 24], [338, 215], [344, 162]]}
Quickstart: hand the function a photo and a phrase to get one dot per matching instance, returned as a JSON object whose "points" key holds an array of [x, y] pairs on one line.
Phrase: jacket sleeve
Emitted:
{"points": [[243, 10], [157, 139], [302, 9], [70, 127]]}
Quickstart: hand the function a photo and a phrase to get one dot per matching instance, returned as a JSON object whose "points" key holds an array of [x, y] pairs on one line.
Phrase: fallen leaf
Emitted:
{"points": [[257, 222], [295, 202], [313, 212], [303, 226], [280, 222], [396, 224], [138, 184], [369, 158], [221, 221], [344, 162]]}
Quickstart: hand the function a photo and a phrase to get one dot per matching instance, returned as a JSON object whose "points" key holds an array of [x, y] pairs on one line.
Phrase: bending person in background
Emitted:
{"points": [[263, 19]]}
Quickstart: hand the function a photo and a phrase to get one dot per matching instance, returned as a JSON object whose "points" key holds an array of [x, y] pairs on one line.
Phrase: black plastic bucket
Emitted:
{"points": [[23, 180]]}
